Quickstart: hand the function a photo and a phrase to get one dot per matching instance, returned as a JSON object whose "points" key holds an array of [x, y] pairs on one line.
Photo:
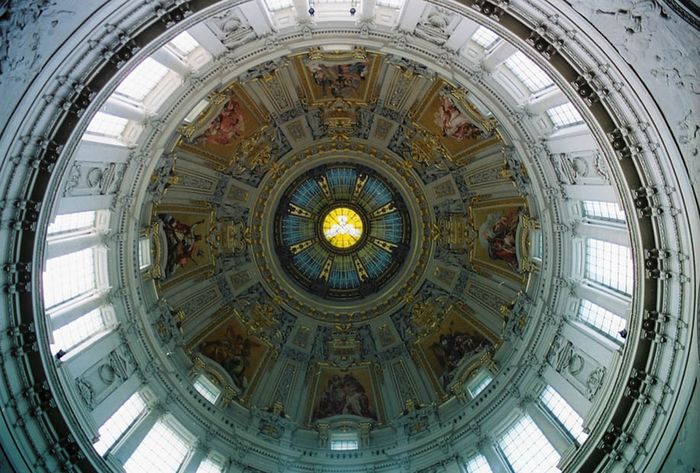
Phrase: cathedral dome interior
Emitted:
{"points": [[349, 236]]}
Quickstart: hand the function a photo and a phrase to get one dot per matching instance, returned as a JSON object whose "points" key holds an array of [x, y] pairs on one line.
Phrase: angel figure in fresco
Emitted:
{"points": [[340, 80], [182, 243], [497, 236], [344, 395], [226, 127], [232, 352], [453, 122], [451, 348]]}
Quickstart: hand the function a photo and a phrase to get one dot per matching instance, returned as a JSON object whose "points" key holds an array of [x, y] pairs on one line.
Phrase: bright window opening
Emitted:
{"points": [[163, 450], [601, 319], [211, 465], [81, 329], [72, 223], [536, 244], [484, 37], [478, 464], [527, 449], [479, 383], [391, 3], [184, 43], [143, 79], [79, 266], [144, 252], [207, 388], [114, 427], [534, 78], [344, 442], [275, 5], [609, 211], [609, 264], [564, 413], [107, 125], [564, 115]]}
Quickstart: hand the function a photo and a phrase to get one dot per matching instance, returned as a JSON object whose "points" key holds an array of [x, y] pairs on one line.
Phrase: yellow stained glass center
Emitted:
{"points": [[342, 227]]}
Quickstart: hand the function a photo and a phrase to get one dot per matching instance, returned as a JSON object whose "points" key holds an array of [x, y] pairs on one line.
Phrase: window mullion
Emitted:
{"points": [[70, 244], [134, 437], [73, 312], [554, 432]]}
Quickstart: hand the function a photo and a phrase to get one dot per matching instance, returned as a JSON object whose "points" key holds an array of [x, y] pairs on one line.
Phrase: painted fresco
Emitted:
{"points": [[229, 120], [183, 242], [498, 227], [454, 123], [455, 341], [239, 354], [330, 75], [344, 392], [446, 113]]}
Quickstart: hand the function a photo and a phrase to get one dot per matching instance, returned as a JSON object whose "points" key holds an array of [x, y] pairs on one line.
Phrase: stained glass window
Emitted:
{"points": [[342, 227]]}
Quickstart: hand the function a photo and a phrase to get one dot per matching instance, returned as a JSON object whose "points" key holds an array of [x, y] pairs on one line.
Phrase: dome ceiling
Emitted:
{"points": [[326, 207], [295, 234]]}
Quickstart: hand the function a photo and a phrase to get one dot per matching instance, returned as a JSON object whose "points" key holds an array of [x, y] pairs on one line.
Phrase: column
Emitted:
{"points": [[120, 108], [64, 317], [197, 457], [136, 436], [613, 234], [115, 400], [207, 39], [368, 8], [603, 193], [302, 9], [71, 245], [167, 58], [498, 54], [77, 362], [559, 440], [496, 461], [545, 101], [461, 34]]}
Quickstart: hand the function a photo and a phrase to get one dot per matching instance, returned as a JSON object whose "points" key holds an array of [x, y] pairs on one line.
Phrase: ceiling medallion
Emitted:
{"points": [[342, 228], [341, 231], [332, 286]]}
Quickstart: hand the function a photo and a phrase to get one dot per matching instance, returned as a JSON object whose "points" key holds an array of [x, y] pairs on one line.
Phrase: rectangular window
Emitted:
{"points": [[528, 72], [72, 223], [114, 427], [163, 450], [478, 464], [564, 115], [108, 125], [601, 319], [484, 37], [344, 442], [609, 264], [396, 4], [144, 252], [69, 277], [536, 244], [608, 211], [564, 413], [143, 79], [274, 5], [479, 383], [184, 43], [83, 328], [211, 465], [207, 388], [527, 449]]}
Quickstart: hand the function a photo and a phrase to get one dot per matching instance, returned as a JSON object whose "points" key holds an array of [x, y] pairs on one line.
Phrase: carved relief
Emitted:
{"points": [[87, 178]]}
